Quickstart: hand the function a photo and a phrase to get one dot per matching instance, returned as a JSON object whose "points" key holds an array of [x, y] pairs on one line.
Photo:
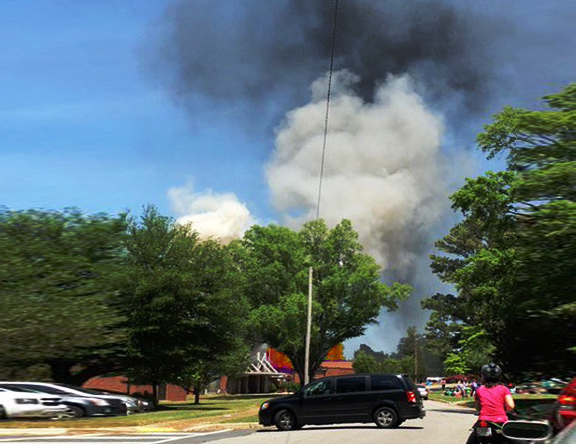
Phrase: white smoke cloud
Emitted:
{"points": [[212, 215], [384, 169]]}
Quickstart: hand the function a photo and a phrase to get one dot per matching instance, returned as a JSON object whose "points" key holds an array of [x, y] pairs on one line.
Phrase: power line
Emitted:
{"points": [[309, 316], [327, 108]]}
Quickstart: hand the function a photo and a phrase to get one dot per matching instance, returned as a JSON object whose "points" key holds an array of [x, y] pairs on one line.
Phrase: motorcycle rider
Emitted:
{"points": [[492, 400]]}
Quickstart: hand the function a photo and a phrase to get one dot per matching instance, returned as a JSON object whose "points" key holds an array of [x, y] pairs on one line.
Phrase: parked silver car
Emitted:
{"points": [[30, 405]]}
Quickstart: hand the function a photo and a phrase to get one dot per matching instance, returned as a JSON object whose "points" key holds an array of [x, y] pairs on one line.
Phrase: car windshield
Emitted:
{"points": [[82, 389], [47, 389], [15, 388]]}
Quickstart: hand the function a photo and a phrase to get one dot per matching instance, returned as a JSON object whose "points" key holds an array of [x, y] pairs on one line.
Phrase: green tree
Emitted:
{"points": [[201, 372], [443, 329], [348, 293], [540, 146], [181, 304], [410, 352], [473, 350], [60, 272], [367, 360], [511, 256], [390, 365], [364, 363]]}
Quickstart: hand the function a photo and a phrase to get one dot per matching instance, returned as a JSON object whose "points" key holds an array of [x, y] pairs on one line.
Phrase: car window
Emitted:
{"points": [[348, 385], [410, 383], [82, 389], [319, 388], [45, 389], [385, 382], [15, 388]]}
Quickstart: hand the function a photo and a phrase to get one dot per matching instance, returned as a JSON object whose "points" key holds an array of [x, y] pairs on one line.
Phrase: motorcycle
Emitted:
{"points": [[514, 431]]}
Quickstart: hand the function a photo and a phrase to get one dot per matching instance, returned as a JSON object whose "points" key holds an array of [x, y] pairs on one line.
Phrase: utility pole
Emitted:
{"points": [[308, 330], [416, 357]]}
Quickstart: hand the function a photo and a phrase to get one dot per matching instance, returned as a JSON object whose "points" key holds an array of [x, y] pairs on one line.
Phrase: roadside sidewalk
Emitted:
{"points": [[158, 428]]}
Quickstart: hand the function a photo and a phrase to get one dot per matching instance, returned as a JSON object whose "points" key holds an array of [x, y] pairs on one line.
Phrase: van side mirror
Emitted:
{"points": [[527, 430]]}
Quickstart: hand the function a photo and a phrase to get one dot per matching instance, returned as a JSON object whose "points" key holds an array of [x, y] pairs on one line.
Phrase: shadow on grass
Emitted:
{"points": [[189, 407], [256, 396]]}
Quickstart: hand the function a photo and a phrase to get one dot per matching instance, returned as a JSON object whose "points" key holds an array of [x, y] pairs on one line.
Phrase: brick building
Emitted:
{"points": [[119, 384]]}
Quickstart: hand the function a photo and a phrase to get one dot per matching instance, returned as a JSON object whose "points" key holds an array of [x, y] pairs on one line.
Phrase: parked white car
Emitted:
{"points": [[30, 405], [123, 404], [423, 391]]}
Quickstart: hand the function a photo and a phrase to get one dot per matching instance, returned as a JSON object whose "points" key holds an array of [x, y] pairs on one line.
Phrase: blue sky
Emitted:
{"points": [[86, 121], [82, 125]]}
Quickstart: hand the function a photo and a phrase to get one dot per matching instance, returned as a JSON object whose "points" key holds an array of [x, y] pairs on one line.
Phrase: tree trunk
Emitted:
{"points": [[155, 392], [60, 371], [197, 389]]}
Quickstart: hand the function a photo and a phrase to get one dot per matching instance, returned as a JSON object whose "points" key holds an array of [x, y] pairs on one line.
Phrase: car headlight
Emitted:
{"points": [[264, 406], [26, 401], [99, 402]]}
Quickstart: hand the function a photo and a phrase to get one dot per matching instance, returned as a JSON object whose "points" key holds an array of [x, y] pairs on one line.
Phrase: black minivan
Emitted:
{"points": [[387, 400]]}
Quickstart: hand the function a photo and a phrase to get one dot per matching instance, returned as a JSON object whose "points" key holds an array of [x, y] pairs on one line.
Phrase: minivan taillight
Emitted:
{"points": [[411, 397]]}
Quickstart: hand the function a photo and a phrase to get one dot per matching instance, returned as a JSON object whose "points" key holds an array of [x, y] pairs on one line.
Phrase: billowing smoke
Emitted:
{"points": [[212, 215], [384, 169], [265, 54]]}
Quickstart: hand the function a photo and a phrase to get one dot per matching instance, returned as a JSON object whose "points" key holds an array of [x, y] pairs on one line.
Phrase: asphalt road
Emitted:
{"points": [[443, 424]]}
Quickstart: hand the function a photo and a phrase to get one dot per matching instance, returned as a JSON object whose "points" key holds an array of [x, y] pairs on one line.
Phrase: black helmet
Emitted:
{"points": [[491, 372]]}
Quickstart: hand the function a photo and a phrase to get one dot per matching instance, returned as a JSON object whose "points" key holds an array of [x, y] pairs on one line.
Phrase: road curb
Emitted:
{"points": [[28, 432], [210, 427]]}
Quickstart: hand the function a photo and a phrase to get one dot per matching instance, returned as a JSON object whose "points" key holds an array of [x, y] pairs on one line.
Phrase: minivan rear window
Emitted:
{"points": [[348, 385], [385, 382]]}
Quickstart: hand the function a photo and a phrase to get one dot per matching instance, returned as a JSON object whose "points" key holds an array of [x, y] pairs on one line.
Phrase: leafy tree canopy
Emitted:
{"points": [[512, 256], [348, 292], [59, 275], [181, 301]]}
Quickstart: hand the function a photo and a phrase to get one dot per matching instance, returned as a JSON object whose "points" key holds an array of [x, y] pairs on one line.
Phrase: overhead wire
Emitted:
{"points": [[310, 271], [327, 116]]}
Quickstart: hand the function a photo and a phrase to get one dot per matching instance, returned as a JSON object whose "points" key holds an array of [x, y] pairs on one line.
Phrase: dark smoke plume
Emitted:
{"points": [[255, 51]]}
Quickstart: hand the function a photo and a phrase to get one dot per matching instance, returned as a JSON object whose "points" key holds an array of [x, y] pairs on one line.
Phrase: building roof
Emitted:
{"points": [[337, 364]]}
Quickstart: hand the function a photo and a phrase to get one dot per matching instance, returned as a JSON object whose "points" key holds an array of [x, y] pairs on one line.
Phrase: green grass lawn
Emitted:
{"points": [[246, 419], [220, 408], [438, 396]]}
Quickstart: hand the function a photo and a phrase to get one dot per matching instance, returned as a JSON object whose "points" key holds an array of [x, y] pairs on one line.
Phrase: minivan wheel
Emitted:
{"points": [[2, 412], [285, 420], [386, 418]]}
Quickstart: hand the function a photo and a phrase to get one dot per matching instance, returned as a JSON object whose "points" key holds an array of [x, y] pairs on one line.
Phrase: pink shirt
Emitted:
{"points": [[492, 403]]}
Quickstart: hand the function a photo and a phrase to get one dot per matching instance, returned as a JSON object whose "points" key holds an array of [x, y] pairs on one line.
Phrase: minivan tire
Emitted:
{"points": [[285, 420], [386, 418]]}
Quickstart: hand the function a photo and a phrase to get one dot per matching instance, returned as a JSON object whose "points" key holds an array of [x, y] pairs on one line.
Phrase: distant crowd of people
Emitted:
{"points": [[468, 387]]}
